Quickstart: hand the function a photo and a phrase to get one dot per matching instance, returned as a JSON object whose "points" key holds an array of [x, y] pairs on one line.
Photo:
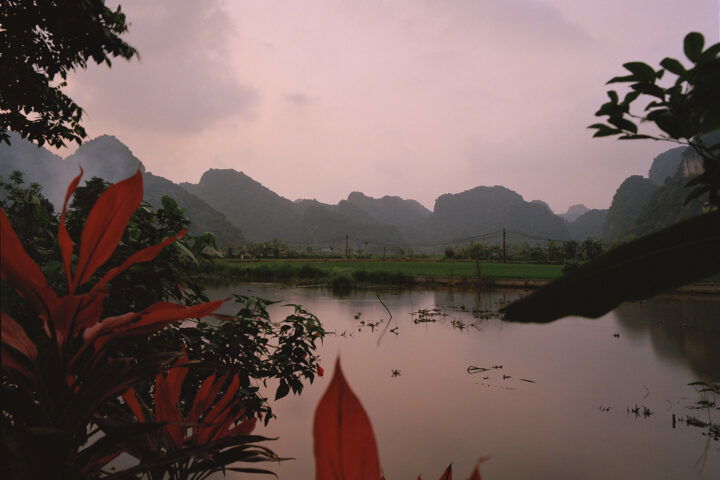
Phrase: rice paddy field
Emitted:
{"points": [[409, 268]]}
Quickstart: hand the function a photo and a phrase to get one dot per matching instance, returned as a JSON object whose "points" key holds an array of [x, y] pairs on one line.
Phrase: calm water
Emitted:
{"points": [[572, 423]]}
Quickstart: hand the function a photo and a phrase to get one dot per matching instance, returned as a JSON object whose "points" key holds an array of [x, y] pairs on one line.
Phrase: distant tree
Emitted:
{"points": [[591, 248], [41, 41], [555, 252], [571, 249]]}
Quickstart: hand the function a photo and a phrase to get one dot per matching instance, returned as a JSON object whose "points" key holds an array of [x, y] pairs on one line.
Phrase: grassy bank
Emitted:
{"points": [[350, 273], [376, 272]]}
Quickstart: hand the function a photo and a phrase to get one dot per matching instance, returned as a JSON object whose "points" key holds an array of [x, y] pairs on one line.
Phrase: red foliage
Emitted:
{"points": [[80, 315], [345, 447], [210, 418], [48, 372]]}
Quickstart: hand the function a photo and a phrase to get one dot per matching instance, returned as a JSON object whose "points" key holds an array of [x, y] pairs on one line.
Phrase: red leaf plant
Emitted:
{"points": [[345, 447], [213, 432], [61, 370]]}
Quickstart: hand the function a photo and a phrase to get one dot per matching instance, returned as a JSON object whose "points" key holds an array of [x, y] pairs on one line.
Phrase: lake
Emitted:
{"points": [[556, 400]]}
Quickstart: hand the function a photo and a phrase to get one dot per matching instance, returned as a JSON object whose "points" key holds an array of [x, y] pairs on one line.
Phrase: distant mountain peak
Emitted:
{"points": [[389, 209], [110, 152], [574, 211]]}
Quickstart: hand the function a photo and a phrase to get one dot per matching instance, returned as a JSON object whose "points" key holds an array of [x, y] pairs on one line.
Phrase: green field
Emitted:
{"points": [[349, 273], [439, 268]]}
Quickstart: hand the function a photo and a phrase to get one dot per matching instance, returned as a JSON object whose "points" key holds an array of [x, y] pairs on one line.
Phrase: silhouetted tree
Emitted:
{"points": [[41, 41]]}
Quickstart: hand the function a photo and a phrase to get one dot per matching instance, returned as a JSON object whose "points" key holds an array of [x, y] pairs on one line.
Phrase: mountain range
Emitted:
{"points": [[238, 209]]}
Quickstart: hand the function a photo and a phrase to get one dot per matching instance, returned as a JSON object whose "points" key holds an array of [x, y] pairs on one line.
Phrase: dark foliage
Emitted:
{"points": [[41, 41]]}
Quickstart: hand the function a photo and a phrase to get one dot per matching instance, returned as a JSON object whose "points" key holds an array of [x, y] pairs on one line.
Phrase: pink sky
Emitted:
{"points": [[315, 99]]}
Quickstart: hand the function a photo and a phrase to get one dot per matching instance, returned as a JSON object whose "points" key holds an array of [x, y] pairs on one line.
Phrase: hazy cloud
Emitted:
{"points": [[299, 99], [182, 81]]}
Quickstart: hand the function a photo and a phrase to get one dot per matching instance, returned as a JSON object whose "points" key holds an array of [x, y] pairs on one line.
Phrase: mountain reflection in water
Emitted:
{"points": [[680, 331]]}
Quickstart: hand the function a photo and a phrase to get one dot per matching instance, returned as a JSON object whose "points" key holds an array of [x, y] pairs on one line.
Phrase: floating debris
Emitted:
{"points": [[473, 369], [395, 373], [640, 410]]}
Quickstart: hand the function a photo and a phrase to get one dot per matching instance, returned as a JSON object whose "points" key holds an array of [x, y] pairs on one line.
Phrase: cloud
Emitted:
{"points": [[181, 82], [299, 99]]}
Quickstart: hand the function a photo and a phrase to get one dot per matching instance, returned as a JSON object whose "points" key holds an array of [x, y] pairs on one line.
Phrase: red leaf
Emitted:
{"points": [[204, 397], [132, 401], [167, 411], [22, 273], [320, 371], [345, 445], [73, 313], [476, 473], [105, 226], [148, 321], [66, 243], [10, 363], [13, 335], [220, 407], [176, 377], [144, 255], [220, 413], [447, 475]]}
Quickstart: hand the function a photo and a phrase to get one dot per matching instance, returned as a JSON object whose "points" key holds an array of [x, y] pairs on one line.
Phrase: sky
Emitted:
{"points": [[316, 99]]}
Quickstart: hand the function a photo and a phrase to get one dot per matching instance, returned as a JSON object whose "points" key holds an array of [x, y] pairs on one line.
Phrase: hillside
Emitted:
{"points": [[108, 158], [589, 224], [261, 213], [390, 210], [627, 203], [487, 209]]}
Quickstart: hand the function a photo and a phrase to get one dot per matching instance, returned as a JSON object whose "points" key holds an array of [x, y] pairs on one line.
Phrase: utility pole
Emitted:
{"points": [[504, 248], [347, 247]]}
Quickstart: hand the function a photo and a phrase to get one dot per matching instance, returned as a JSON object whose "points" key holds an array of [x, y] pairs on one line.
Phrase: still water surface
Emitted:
{"points": [[572, 423]]}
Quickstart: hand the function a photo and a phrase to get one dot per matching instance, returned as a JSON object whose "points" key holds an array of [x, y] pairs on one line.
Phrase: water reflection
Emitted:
{"points": [[573, 422], [679, 330]]}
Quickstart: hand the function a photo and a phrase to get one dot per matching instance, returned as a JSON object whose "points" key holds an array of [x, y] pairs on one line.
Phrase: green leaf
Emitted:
{"points": [[623, 124], [649, 89], [635, 137], [613, 96], [606, 132], [711, 53], [642, 71], [669, 123], [674, 256], [283, 390], [627, 78], [693, 45], [673, 65], [630, 97]]}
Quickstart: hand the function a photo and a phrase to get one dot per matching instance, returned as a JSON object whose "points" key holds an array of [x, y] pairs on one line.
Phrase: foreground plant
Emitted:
{"points": [[62, 367], [204, 436], [344, 442]]}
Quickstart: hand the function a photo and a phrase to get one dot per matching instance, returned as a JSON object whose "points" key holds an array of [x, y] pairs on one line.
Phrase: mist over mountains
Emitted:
{"points": [[237, 209]]}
